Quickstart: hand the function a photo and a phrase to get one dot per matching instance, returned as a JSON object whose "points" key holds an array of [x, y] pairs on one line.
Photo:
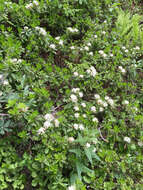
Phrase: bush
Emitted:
{"points": [[71, 95]]}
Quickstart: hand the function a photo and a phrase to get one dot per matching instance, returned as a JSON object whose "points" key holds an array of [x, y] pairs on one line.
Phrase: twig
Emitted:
{"points": [[102, 135]]}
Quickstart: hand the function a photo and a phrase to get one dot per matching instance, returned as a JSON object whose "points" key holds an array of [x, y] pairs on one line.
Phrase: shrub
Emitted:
{"points": [[71, 95]]}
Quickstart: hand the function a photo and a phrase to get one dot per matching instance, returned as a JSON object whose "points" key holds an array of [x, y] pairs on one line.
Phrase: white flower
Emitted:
{"points": [[61, 42], [88, 71], [70, 29], [135, 109], [41, 130], [70, 139], [76, 108], [89, 44], [111, 55], [75, 74], [43, 32], [75, 90], [81, 76], [93, 109], [103, 32], [80, 94], [91, 53], [84, 115], [72, 187], [83, 104], [111, 102], [81, 127], [36, 3], [93, 71], [95, 36], [49, 117], [52, 46], [87, 145], [1, 76], [76, 115], [57, 38], [104, 55], [47, 124], [5, 82], [126, 102], [126, 50], [107, 97], [99, 101], [56, 121], [75, 30], [72, 47], [123, 47], [137, 48], [95, 120], [86, 48], [140, 143], [75, 126], [29, 6], [97, 96], [127, 139], [73, 98], [25, 28], [94, 150], [105, 104], [101, 109], [121, 69], [101, 52]]}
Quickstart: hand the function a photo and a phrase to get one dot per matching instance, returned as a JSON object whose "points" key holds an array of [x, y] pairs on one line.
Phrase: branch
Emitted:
{"points": [[102, 135], [4, 114]]}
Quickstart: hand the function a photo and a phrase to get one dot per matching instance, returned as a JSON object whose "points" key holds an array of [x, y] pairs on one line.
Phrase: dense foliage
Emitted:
{"points": [[71, 95]]}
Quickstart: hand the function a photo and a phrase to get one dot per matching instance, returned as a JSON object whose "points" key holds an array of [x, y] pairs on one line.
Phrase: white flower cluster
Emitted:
{"points": [[109, 100], [137, 48], [104, 104], [126, 50], [4, 82], [31, 5], [140, 143], [16, 60], [48, 123], [103, 32], [122, 69], [92, 71], [41, 30], [91, 53], [61, 42], [77, 91], [78, 126], [101, 52], [76, 74], [52, 46], [127, 139], [125, 102], [95, 120], [72, 30], [100, 101]]}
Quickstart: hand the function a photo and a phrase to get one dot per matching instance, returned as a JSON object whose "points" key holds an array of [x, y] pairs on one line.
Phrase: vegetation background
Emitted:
{"points": [[71, 95]]}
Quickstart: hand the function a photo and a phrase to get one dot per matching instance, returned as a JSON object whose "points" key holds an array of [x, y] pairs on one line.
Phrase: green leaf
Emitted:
{"points": [[79, 167], [88, 154]]}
